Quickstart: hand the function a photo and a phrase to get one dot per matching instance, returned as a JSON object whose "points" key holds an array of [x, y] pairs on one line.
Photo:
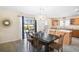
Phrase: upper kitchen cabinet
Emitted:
{"points": [[55, 22], [75, 21]]}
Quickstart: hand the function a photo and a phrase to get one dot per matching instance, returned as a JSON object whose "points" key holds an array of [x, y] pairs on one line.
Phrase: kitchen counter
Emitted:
{"points": [[60, 30], [67, 38], [71, 27]]}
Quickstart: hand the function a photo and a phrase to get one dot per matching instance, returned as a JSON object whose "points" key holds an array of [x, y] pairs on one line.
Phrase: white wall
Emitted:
{"points": [[11, 33]]}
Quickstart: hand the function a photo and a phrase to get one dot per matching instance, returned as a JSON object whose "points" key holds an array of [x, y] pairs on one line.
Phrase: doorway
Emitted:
{"points": [[29, 25]]}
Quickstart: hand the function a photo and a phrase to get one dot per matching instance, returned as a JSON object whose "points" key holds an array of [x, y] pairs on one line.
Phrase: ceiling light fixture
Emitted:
{"points": [[42, 13]]}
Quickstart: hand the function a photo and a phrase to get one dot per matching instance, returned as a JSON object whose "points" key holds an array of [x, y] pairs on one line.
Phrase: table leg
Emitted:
{"points": [[46, 47]]}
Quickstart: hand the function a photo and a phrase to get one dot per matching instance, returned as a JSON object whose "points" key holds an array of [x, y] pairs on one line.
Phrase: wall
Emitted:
{"points": [[11, 33], [64, 22]]}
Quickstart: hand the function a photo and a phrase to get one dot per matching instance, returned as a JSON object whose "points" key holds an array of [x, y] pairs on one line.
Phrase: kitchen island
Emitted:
{"points": [[67, 38]]}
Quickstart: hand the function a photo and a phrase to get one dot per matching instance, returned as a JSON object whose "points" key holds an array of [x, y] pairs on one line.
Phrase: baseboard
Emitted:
{"points": [[10, 41]]}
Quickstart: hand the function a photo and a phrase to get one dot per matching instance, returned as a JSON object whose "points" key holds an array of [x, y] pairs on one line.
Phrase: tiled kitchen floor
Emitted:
{"points": [[24, 46], [74, 47]]}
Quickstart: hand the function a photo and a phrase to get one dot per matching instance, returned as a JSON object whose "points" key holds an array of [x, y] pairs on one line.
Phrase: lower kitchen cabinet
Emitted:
{"points": [[75, 33]]}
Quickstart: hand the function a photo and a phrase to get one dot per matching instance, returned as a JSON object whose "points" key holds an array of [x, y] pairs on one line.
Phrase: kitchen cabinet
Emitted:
{"points": [[54, 22], [75, 33], [75, 21]]}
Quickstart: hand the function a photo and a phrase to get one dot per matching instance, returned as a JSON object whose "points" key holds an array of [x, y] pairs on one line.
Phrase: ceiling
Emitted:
{"points": [[50, 11]]}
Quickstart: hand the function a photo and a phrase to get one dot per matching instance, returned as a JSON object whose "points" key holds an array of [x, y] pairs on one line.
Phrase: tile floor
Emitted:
{"points": [[24, 46]]}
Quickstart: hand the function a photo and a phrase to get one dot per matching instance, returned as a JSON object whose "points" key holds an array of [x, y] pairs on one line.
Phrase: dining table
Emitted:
{"points": [[47, 39]]}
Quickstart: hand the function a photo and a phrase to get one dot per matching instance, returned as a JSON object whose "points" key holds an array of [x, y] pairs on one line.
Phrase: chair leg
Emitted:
{"points": [[58, 50], [51, 49], [61, 49]]}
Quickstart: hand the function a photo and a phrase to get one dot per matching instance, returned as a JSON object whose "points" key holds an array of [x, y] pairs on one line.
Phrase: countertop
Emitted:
{"points": [[60, 30], [71, 27]]}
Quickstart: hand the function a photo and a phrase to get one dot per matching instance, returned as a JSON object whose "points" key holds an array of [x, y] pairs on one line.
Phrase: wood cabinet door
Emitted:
{"points": [[75, 21], [75, 33], [54, 22]]}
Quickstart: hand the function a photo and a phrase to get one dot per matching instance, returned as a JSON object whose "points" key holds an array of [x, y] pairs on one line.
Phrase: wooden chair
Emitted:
{"points": [[35, 42], [57, 45]]}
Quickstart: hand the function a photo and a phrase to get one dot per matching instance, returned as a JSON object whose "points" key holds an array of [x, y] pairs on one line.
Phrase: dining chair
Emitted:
{"points": [[57, 45], [35, 42]]}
